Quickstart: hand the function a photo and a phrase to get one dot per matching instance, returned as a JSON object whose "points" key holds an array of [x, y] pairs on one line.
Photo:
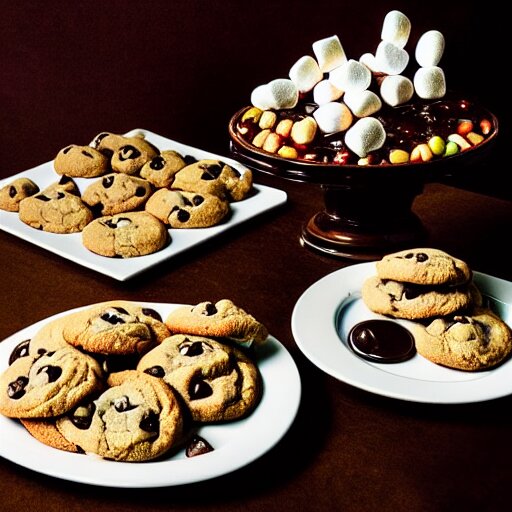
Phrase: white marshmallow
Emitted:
{"points": [[278, 94], [391, 59], [365, 136], [329, 53], [368, 59], [351, 76], [430, 83], [396, 90], [260, 97], [305, 73], [396, 28], [362, 103], [430, 48], [333, 117], [325, 92]]}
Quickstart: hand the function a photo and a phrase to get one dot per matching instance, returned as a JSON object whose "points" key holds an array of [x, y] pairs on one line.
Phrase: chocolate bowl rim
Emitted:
{"points": [[328, 173]]}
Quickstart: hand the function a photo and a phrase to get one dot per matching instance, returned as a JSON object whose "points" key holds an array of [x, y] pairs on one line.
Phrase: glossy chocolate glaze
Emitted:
{"points": [[382, 341]]}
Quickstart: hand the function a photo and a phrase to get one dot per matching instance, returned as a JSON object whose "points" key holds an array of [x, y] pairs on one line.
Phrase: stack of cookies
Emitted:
{"points": [[137, 192], [116, 380], [451, 325]]}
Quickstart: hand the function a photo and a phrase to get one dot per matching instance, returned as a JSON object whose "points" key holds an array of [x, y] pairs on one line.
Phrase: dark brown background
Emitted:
{"points": [[69, 70]]}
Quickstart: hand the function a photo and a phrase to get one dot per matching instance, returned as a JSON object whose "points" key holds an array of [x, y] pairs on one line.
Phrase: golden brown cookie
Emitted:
{"points": [[115, 328], [216, 381], [137, 418], [117, 193], [55, 212], [161, 169], [48, 385], [80, 162], [13, 193], [179, 209], [214, 177], [46, 432], [424, 266], [405, 300], [478, 340], [125, 235], [222, 319]]}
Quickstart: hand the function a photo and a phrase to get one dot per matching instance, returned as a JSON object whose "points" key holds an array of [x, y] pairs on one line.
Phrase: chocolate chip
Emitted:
{"points": [[121, 310], [150, 423], [20, 350], [53, 372], [42, 197], [421, 257], [157, 164], [189, 159], [60, 195], [183, 215], [152, 313], [199, 389], [128, 152], [187, 201], [87, 154], [82, 416], [12, 191], [107, 181], [155, 371], [211, 171], [140, 192], [99, 138], [67, 149], [198, 446], [16, 388], [112, 318], [64, 179], [209, 309], [122, 404], [191, 349], [197, 200]]}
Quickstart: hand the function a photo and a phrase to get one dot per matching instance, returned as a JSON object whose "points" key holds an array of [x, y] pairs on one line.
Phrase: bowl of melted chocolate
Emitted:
{"points": [[367, 200]]}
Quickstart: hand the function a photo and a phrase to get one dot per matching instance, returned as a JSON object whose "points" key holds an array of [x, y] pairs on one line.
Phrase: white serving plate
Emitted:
{"points": [[70, 246], [327, 310], [235, 443]]}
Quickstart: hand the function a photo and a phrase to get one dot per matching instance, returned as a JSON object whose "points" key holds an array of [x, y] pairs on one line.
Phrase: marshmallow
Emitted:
{"points": [[278, 94], [305, 73], [368, 59], [396, 90], [351, 76], [333, 117], [329, 53], [362, 103], [391, 59], [430, 48], [396, 28], [325, 92], [365, 136], [430, 83]]}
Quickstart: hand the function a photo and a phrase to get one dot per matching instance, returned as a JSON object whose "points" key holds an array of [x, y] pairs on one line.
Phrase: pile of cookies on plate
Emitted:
{"points": [[137, 192], [116, 380], [451, 323]]}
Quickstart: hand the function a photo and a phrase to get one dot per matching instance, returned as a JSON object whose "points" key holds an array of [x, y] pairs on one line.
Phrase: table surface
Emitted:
{"points": [[182, 69]]}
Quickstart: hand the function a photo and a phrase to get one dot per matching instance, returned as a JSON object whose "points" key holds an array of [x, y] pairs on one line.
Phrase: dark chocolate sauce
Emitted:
{"points": [[382, 341]]}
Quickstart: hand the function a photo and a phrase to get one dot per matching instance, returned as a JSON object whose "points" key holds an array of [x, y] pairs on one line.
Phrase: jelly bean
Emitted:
{"points": [[398, 156], [451, 149], [437, 145]]}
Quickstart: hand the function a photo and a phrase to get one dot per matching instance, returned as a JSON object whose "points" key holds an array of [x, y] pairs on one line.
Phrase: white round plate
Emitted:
{"points": [[327, 310], [235, 444]]}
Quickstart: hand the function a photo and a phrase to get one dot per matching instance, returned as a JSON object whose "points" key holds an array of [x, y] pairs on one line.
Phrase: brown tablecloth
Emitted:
{"points": [[70, 70]]}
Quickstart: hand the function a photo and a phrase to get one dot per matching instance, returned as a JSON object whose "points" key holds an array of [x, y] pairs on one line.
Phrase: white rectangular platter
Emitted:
{"points": [[70, 246]]}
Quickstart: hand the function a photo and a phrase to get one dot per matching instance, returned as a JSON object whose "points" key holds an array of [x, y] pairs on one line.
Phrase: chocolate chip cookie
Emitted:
{"points": [[214, 177], [161, 169], [222, 319], [125, 235], [13, 193], [478, 340], [216, 381], [55, 212], [49, 384], [81, 162], [179, 209], [137, 418]]}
